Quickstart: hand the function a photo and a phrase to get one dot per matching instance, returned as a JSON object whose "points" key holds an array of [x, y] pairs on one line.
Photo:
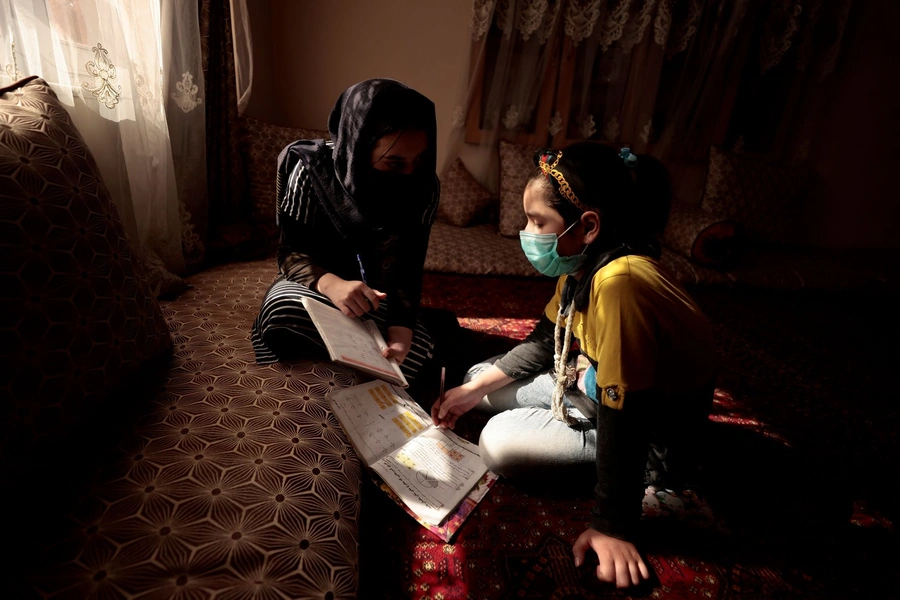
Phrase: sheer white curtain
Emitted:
{"points": [[129, 72]]}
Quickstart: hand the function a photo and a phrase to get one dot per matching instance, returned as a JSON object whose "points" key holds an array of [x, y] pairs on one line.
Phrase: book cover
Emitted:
{"points": [[447, 529]]}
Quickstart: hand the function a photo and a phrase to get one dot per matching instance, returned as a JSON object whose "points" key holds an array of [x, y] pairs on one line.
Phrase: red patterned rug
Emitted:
{"points": [[800, 497]]}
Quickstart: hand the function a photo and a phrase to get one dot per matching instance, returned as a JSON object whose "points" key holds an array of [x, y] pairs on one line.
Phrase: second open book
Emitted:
{"points": [[353, 342], [434, 474]]}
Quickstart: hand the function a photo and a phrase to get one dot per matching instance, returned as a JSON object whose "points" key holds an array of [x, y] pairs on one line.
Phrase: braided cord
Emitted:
{"points": [[565, 374]]}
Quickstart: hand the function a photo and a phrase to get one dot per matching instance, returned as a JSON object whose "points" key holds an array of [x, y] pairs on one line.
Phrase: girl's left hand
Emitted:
{"points": [[399, 341], [620, 562]]}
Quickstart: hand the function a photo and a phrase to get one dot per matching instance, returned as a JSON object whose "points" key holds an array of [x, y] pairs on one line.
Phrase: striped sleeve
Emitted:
{"points": [[298, 200]]}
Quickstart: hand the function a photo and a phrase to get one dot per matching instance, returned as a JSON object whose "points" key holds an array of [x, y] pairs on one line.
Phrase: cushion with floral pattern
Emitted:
{"points": [[464, 201], [261, 144], [516, 163], [706, 238], [764, 198]]}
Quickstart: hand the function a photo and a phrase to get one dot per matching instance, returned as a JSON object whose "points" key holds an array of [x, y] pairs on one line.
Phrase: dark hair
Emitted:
{"points": [[394, 111], [633, 201]]}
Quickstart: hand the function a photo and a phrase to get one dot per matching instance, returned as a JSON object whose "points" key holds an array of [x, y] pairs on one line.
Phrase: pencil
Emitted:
{"points": [[443, 375]]}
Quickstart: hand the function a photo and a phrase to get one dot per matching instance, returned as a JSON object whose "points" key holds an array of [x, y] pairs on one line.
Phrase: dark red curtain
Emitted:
{"points": [[232, 234]]}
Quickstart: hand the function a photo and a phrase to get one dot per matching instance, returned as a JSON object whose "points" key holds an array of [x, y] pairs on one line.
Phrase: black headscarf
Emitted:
{"points": [[341, 172]]}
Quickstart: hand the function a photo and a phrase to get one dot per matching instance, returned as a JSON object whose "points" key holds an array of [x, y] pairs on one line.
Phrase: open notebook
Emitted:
{"points": [[433, 474], [353, 342]]}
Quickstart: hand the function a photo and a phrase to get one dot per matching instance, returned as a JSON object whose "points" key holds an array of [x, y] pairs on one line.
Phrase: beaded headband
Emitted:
{"points": [[550, 170]]}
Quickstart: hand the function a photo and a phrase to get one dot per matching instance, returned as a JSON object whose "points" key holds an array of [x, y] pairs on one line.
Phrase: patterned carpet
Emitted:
{"points": [[800, 494]]}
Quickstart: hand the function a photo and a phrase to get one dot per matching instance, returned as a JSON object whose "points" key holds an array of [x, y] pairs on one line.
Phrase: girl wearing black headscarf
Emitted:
{"points": [[355, 214]]}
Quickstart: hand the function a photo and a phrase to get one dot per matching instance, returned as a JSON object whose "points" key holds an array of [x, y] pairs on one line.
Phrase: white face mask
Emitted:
{"points": [[540, 250]]}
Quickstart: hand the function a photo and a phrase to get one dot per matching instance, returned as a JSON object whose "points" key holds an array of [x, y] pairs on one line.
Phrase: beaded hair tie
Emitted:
{"points": [[564, 188], [629, 158]]}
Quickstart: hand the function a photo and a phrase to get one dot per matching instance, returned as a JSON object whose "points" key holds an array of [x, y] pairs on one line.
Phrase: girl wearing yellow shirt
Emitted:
{"points": [[618, 372]]}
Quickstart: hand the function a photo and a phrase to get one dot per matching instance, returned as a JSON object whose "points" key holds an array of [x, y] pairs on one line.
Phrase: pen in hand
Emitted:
{"points": [[362, 275], [362, 270], [440, 399]]}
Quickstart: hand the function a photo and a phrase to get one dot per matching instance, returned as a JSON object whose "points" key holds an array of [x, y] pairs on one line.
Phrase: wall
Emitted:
{"points": [[318, 49], [857, 157]]}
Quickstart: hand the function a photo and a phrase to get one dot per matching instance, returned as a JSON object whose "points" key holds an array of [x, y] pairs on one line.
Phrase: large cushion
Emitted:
{"points": [[236, 482], [464, 201], [516, 163], [764, 198], [261, 143], [79, 320]]}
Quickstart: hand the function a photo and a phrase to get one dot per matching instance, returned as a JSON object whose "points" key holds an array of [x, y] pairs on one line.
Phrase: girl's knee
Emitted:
{"points": [[500, 447], [530, 443]]}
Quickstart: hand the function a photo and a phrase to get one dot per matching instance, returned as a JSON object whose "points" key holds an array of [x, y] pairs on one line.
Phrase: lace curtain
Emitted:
{"points": [[129, 73], [668, 77]]}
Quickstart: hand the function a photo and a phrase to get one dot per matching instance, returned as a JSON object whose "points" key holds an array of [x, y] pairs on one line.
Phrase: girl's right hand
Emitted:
{"points": [[456, 403], [353, 298]]}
